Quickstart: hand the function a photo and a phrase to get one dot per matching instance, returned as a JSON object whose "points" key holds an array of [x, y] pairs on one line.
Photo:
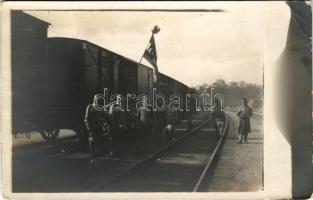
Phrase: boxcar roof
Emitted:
{"points": [[131, 60], [30, 18]]}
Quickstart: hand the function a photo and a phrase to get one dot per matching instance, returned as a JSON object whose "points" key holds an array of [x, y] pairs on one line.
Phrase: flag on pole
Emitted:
{"points": [[150, 53]]}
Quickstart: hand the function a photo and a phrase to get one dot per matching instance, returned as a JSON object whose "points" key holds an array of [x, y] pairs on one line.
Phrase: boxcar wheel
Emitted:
{"points": [[50, 135]]}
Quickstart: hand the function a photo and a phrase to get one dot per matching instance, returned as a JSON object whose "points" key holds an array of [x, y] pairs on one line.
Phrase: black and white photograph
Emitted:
{"points": [[145, 99]]}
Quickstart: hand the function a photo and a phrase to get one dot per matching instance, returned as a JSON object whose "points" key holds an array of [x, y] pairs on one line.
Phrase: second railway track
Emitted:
{"points": [[178, 167]]}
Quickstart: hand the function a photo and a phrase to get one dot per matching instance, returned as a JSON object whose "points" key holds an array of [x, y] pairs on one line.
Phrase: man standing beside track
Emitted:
{"points": [[117, 120], [189, 114], [145, 120], [218, 117], [170, 124], [244, 114], [95, 119]]}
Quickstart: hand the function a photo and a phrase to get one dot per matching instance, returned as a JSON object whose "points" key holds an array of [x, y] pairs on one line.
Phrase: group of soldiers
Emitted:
{"points": [[108, 127]]}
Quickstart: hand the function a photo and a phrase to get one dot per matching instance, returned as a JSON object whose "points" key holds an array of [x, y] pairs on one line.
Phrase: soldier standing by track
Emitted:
{"points": [[144, 127], [218, 117], [244, 114], [131, 117], [189, 114], [95, 120], [170, 124], [118, 125]]}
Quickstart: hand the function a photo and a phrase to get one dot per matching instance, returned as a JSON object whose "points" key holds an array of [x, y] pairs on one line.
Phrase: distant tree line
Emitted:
{"points": [[233, 92]]}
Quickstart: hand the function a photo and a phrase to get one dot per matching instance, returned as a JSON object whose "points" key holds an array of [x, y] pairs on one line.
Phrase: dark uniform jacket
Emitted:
{"points": [[218, 113], [94, 119], [145, 118], [170, 118]]}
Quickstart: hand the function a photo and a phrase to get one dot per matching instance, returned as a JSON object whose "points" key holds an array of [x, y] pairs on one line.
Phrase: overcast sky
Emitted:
{"points": [[192, 47]]}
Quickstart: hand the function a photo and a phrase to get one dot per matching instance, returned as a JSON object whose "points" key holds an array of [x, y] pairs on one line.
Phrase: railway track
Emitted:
{"points": [[209, 164], [181, 166]]}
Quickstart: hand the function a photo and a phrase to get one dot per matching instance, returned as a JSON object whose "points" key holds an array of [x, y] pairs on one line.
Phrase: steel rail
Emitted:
{"points": [[212, 158], [150, 157]]}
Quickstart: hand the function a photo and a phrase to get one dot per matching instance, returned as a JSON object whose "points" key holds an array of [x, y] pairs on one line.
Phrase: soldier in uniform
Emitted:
{"points": [[244, 114], [131, 123], [170, 124], [118, 125], [189, 114], [95, 122], [144, 127], [218, 117]]}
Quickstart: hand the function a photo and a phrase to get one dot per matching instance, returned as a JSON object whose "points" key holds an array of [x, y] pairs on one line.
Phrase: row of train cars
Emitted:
{"points": [[54, 79]]}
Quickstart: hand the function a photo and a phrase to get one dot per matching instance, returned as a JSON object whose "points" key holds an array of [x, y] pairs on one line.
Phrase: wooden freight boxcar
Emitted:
{"points": [[145, 80], [76, 70], [170, 86], [28, 40], [55, 79]]}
